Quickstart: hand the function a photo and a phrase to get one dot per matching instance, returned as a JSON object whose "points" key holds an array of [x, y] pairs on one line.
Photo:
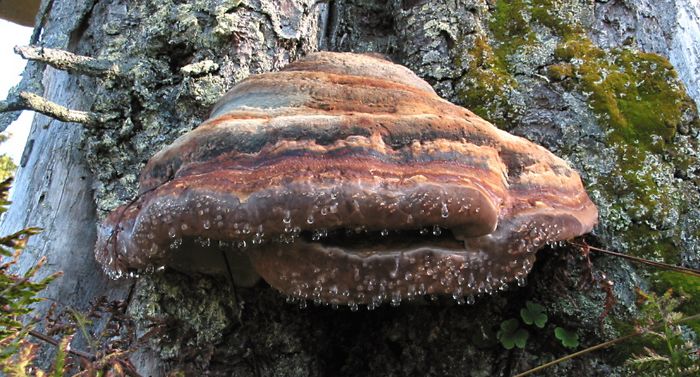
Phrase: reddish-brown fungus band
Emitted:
{"points": [[344, 178]]}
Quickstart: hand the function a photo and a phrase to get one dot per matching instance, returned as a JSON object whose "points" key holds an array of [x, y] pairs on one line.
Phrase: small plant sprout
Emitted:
{"points": [[568, 339], [533, 313], [670, 350], [511, 335]]}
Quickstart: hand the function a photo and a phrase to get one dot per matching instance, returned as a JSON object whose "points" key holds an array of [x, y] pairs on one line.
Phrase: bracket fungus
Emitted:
{"points": [[345, 179]]}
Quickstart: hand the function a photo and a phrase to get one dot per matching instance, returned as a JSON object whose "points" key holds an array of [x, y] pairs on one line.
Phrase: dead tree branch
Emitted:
{"points": [[70, 62], [55, 343], [33, 102]]}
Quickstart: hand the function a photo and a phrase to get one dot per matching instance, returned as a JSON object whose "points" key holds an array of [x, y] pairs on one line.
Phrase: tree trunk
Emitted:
{"points": [[471, 51], [53, 187]]}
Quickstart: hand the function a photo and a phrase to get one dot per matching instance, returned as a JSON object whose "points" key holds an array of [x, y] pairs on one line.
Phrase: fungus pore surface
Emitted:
{"points": [[345, 179]]}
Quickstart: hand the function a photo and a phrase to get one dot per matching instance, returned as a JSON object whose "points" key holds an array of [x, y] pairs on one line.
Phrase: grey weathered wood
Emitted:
{"points": [[53, 188]]}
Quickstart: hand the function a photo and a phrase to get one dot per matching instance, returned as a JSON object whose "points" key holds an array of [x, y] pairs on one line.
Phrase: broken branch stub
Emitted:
{"points": [[67, 61], [33, 102], [70, 62]]}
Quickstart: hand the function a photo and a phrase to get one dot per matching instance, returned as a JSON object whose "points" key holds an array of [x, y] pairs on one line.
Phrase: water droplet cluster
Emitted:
{"points": [[374, 278], [464, 276]]}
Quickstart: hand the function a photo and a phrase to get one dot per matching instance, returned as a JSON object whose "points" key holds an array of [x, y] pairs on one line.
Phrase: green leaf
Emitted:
{"points": [[533, 313], [7, 167], [511, 335], [568, 338], [59, 364], [17, 293]]}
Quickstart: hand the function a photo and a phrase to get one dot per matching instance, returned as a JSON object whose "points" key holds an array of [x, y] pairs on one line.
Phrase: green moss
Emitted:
{"points": [[558, 72], [484, 86], [510, 29], [511, 24], [636, 94], [645, 201], [640, 103], [547, 13], [639, 194], [489, 77]]}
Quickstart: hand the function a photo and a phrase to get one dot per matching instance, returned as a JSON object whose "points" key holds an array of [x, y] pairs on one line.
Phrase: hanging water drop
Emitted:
{"points": [[445, 212], [522, 281], [396, 299], [175, 244]]}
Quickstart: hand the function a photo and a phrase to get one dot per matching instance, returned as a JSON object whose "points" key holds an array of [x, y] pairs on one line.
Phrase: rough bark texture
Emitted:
{"points": [[522, 66]]}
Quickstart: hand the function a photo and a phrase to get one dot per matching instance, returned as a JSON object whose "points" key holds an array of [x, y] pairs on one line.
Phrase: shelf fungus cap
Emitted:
{"points": [[345, 179]]}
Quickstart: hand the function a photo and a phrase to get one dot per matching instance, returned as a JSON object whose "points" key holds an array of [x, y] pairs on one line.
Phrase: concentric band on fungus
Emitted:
{"points": [[344, 178]]}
